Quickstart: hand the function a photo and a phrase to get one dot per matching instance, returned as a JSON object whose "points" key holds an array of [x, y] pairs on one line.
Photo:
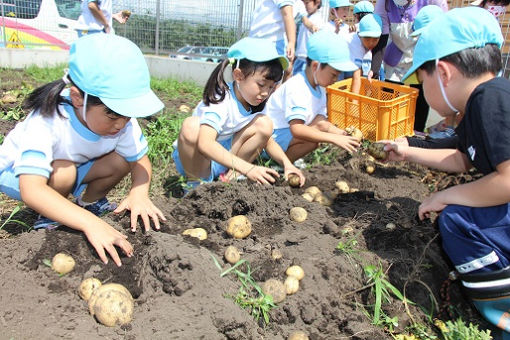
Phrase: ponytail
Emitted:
{"points": [[46, 98], [216, 87]]}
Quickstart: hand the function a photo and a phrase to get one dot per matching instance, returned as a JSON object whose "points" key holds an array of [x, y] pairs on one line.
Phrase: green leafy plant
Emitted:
{"points": [[324, 154], [348, 247], [459, 330], [250, 295], [160, 134], [10, 219]]}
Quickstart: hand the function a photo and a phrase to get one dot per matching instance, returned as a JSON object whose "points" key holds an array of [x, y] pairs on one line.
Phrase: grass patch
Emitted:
{"points": [[47, 74], [172, 89]]}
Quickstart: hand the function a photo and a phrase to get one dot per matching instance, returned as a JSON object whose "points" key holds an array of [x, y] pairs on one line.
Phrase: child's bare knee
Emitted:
{"points": [[63, 176], [264, 125], [189, 130]]}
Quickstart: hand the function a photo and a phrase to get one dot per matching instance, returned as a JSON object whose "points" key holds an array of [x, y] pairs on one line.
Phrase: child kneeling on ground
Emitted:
{"points": [[86, 136], [457, 59], [227, 130]]}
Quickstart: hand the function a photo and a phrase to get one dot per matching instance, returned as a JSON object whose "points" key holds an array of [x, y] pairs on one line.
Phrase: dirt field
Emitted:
{"points": [[177, 287]]}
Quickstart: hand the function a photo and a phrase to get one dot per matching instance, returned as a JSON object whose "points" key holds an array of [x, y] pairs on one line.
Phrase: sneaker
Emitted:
{"points": [[45, 223], [99, 208]]}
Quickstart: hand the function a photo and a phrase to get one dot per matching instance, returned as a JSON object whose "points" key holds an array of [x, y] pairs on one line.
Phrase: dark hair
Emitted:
{"points": [[496, 3], [309, 62], [360, 15], [47, 99], [472, 62], [216, 87]]}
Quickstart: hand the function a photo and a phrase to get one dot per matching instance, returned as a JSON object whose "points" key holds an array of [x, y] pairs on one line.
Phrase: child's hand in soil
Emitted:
{"points": [[346, 142], [433, 203], [291, 169], [397, 151], [141, 205], [262, 174], [104, 236]]}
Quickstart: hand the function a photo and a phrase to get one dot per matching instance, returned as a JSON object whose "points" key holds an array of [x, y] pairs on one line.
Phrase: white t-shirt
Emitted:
{"points": [[226, 117], [87, 21], [359, 54], [343, 30], [267, 21], [35, 143], [304, 34], [296, 99]]}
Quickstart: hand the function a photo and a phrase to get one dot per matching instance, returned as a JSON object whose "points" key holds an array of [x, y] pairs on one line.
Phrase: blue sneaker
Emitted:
{"points": [[99, 208], [45, 223]]}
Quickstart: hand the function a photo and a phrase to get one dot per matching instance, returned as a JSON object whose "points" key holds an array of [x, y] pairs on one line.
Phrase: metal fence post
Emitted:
{"points": [[240, 20], [4, 35], [156, 40]]}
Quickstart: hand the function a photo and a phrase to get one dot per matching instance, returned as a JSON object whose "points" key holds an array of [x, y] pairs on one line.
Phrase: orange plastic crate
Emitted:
{"points": [[381, 110]]}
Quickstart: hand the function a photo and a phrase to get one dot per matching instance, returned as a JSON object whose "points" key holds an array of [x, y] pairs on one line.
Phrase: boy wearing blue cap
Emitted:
{"points": [[338, 11], [315, 18], [298, 107], [360, 47], [87, 138], [457, 59], [227, 130], [361, 9]]}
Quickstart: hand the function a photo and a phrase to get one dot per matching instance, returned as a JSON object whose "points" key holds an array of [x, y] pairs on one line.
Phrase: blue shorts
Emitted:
{"points": [[9, 183], [283, 137], [281, 47], [216, 168], [476, 239]]}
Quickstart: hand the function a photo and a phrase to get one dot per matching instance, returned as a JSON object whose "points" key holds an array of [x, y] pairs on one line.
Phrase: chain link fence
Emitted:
{"points": [[190, 29]]}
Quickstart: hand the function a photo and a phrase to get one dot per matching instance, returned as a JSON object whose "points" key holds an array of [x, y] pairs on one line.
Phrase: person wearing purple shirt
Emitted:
{"points": [[398, 17]]}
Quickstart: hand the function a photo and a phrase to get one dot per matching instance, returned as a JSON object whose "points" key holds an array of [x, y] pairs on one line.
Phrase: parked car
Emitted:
{"points": [[203, 53]]}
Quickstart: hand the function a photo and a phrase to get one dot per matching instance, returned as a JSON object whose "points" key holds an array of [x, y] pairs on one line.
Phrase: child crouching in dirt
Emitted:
{"points": [[298, 106], [457, 59], [227, 130], [86, 136]]}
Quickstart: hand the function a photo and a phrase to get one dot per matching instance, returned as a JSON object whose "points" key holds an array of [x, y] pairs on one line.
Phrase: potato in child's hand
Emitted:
{"points": [[294, 180], [377, 151], [354, 132]]}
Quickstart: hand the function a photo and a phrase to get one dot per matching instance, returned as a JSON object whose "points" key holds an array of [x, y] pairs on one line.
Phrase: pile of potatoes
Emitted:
{"points": [[111, 304], [279, 290]]}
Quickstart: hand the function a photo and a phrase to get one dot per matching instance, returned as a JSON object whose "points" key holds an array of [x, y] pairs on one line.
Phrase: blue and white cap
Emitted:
{"points": [[456, 30], [113, 69], [425, 15], [370, 26], [258, 50], [329, 48], [363, 7], [339, 3]]}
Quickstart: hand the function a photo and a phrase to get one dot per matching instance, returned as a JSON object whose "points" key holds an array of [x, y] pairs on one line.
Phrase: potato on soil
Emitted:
{"points": [[294, 180], [239, 226], [104, 290], [276, 289], [199, 233], [307, 196], [113, 308], [232, 255], [298, 214], [295, 271], [291, 285], [370, 169], [342, 186], [323, 199], [87, 287], [276, 254], [62, 263], [313, 190], [354, 132], [376, 150], [298, 335]]}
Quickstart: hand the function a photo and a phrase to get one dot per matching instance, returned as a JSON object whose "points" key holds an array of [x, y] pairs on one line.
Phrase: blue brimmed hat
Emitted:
{"points": [[370, 26], [113, 69], [258, 50], [329, 48], [456, 30], [425, 15], [339, 3], [363, 7]]}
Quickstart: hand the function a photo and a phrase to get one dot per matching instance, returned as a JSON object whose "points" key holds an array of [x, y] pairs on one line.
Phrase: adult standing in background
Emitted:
{"points": [[96, 16], [398, 18]]}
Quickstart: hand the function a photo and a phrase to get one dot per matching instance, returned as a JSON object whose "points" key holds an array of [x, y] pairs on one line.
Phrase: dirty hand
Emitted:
{"points": [[433, 203], [338, 23], [314, 29], [291, 169], [141, 206], [262, 174], [348, 143], [370, 75], [106, 237], [397, 151], [352, 28]]}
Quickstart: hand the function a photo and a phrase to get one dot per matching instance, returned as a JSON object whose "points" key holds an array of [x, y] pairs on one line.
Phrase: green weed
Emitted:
{"points": [[324, 154], [250, 295], [46, 74], [10, 219], [2, 137], [348, 247], [160, 134], [174, 89], [459, 330]]}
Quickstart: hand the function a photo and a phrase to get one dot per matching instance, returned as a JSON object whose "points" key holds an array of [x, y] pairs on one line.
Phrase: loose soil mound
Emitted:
{"points": [[177, 287]]}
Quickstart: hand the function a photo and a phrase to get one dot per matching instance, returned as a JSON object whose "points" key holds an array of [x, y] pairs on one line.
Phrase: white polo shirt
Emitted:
{"points": [[267, 21], [87, 21], [359, 54]]}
